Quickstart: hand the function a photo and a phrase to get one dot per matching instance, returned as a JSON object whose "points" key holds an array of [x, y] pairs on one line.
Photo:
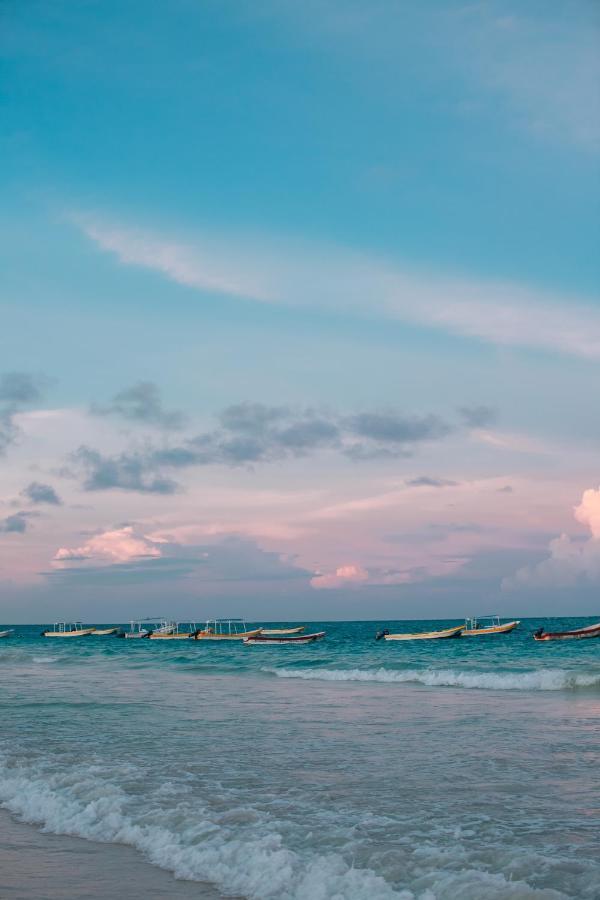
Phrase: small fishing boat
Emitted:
{"points": [[486, 625], [179, 631], [276, 639], [590, 631], [226, 630], [138, 629], [7, 633], [67, 630], [297, 630], [105, 630], [453, 632]]}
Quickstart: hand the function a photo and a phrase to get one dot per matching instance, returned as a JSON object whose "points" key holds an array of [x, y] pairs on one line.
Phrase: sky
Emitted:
{"points": [[299, 309]]}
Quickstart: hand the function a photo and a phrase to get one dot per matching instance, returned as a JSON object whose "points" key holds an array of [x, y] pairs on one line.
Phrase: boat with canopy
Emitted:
{"points": [[226, 630], [67, 630], [487, 625]]}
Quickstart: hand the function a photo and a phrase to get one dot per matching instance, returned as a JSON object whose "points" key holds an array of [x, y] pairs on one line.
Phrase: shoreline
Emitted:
{"points": [[36, 865]]}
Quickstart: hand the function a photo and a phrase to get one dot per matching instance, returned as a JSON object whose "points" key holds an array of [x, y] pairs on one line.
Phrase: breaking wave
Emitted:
{"points": [[536, 680]]}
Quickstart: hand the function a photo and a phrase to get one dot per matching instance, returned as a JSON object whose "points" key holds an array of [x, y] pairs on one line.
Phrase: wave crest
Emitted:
{"points": [[536, 680]]}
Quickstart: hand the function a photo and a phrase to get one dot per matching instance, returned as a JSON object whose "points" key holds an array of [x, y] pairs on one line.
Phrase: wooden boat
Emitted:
{"points": [[7, 633], [179, 631], [276, 639], [67, 630], [226, 630], [590, 631], [453, 632], [487, 625], [275, 631], [105, 630]]}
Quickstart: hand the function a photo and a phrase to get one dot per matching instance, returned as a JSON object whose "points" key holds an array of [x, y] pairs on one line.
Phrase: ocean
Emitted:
{"points": [[348, 769]]}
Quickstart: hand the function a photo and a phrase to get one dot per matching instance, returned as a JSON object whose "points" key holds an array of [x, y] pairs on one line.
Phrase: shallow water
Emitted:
{"points": [[345, 769]]}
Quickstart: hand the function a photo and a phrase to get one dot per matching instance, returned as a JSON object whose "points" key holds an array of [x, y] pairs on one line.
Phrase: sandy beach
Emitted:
{"points": [[38, 866]]}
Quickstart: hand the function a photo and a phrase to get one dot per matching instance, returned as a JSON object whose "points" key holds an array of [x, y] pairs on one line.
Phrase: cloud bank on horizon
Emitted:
{"points": [[320, 345]]}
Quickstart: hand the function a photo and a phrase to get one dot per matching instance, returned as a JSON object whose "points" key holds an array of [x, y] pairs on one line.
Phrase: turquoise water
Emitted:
{"points": [[344, 769]]}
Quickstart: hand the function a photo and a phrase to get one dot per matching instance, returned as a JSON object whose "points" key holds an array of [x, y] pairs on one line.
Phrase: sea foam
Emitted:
{"points": [[536, 680]]}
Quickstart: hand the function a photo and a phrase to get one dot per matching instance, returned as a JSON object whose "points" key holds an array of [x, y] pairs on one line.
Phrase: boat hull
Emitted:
{"points": [[5, 634], [276, 640], [69, 634], [180, 636], [426, 635], [577, 634], [211, 636], [277, 631], [492, 629], [102, 631], [137, 635]]}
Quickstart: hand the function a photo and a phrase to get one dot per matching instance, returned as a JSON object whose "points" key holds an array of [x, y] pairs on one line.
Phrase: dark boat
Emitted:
{"points": [[284, 638], [591, 631]]}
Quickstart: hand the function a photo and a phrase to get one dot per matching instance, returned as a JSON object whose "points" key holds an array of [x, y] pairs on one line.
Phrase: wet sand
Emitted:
{"points": [[37, 866]]}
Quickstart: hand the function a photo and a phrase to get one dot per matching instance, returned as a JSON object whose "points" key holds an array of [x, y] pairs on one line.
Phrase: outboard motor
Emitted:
{"points": [[381, 634], [539, 632]]}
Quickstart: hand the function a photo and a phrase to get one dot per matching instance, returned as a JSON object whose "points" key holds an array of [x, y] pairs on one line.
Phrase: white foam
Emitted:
{"points": [[199, 850], [536, 680]]}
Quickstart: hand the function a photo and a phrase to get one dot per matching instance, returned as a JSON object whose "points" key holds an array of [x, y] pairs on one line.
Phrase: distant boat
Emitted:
{"points": [[138, 629], [226, 630], [276, 639], [297, 630], [453, 632], [67, 630], [590, 631], [486, 625], [7, 633], [175, 632], [105, 630]]}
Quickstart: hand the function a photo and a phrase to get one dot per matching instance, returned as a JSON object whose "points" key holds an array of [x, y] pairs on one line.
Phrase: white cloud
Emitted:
{"points": [[297, 274], [570, 562], [348, 575]]}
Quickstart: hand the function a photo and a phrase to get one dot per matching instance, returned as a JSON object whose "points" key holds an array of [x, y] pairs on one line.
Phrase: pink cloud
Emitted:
{"points": [[117, 546], [343, 576]]}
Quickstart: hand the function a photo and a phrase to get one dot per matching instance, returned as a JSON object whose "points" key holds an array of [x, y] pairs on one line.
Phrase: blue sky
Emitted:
{"points": [[346, 221]]}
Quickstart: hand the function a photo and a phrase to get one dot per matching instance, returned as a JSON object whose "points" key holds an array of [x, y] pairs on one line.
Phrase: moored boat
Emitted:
{"points": [[226, 630], [7, 632], [179, 631], [453, 632], [67, 630], [277, 639], [101, 631], [138, 629], [276, 631], [487, 625], [590, 631]]}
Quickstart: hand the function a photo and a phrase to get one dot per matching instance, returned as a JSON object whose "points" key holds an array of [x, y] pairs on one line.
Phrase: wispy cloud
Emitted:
{"points": [[140, 403], [346, 282]]}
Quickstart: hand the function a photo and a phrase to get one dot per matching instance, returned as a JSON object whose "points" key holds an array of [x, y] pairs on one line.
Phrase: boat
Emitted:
{"points": [[164, 629], [226, 630], [276, 631], [178, 631], [138, 629], [486, 625], [67, 630], [453, 632], [276, 639], [7, 633], [105, 630], [590, 631]]}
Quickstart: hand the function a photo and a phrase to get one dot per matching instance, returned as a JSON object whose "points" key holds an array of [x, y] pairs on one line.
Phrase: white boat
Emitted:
{"points": [[274, 640], [138, 629], [226, 630], [105, 630], [164, 629], [487, 625], [7, 633], [275, 631], [67, 630], [179, 631], [453, 632]]}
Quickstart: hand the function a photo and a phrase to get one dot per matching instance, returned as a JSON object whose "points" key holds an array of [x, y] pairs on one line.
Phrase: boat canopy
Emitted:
{"points": [[476, 622], [226, 626]]}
